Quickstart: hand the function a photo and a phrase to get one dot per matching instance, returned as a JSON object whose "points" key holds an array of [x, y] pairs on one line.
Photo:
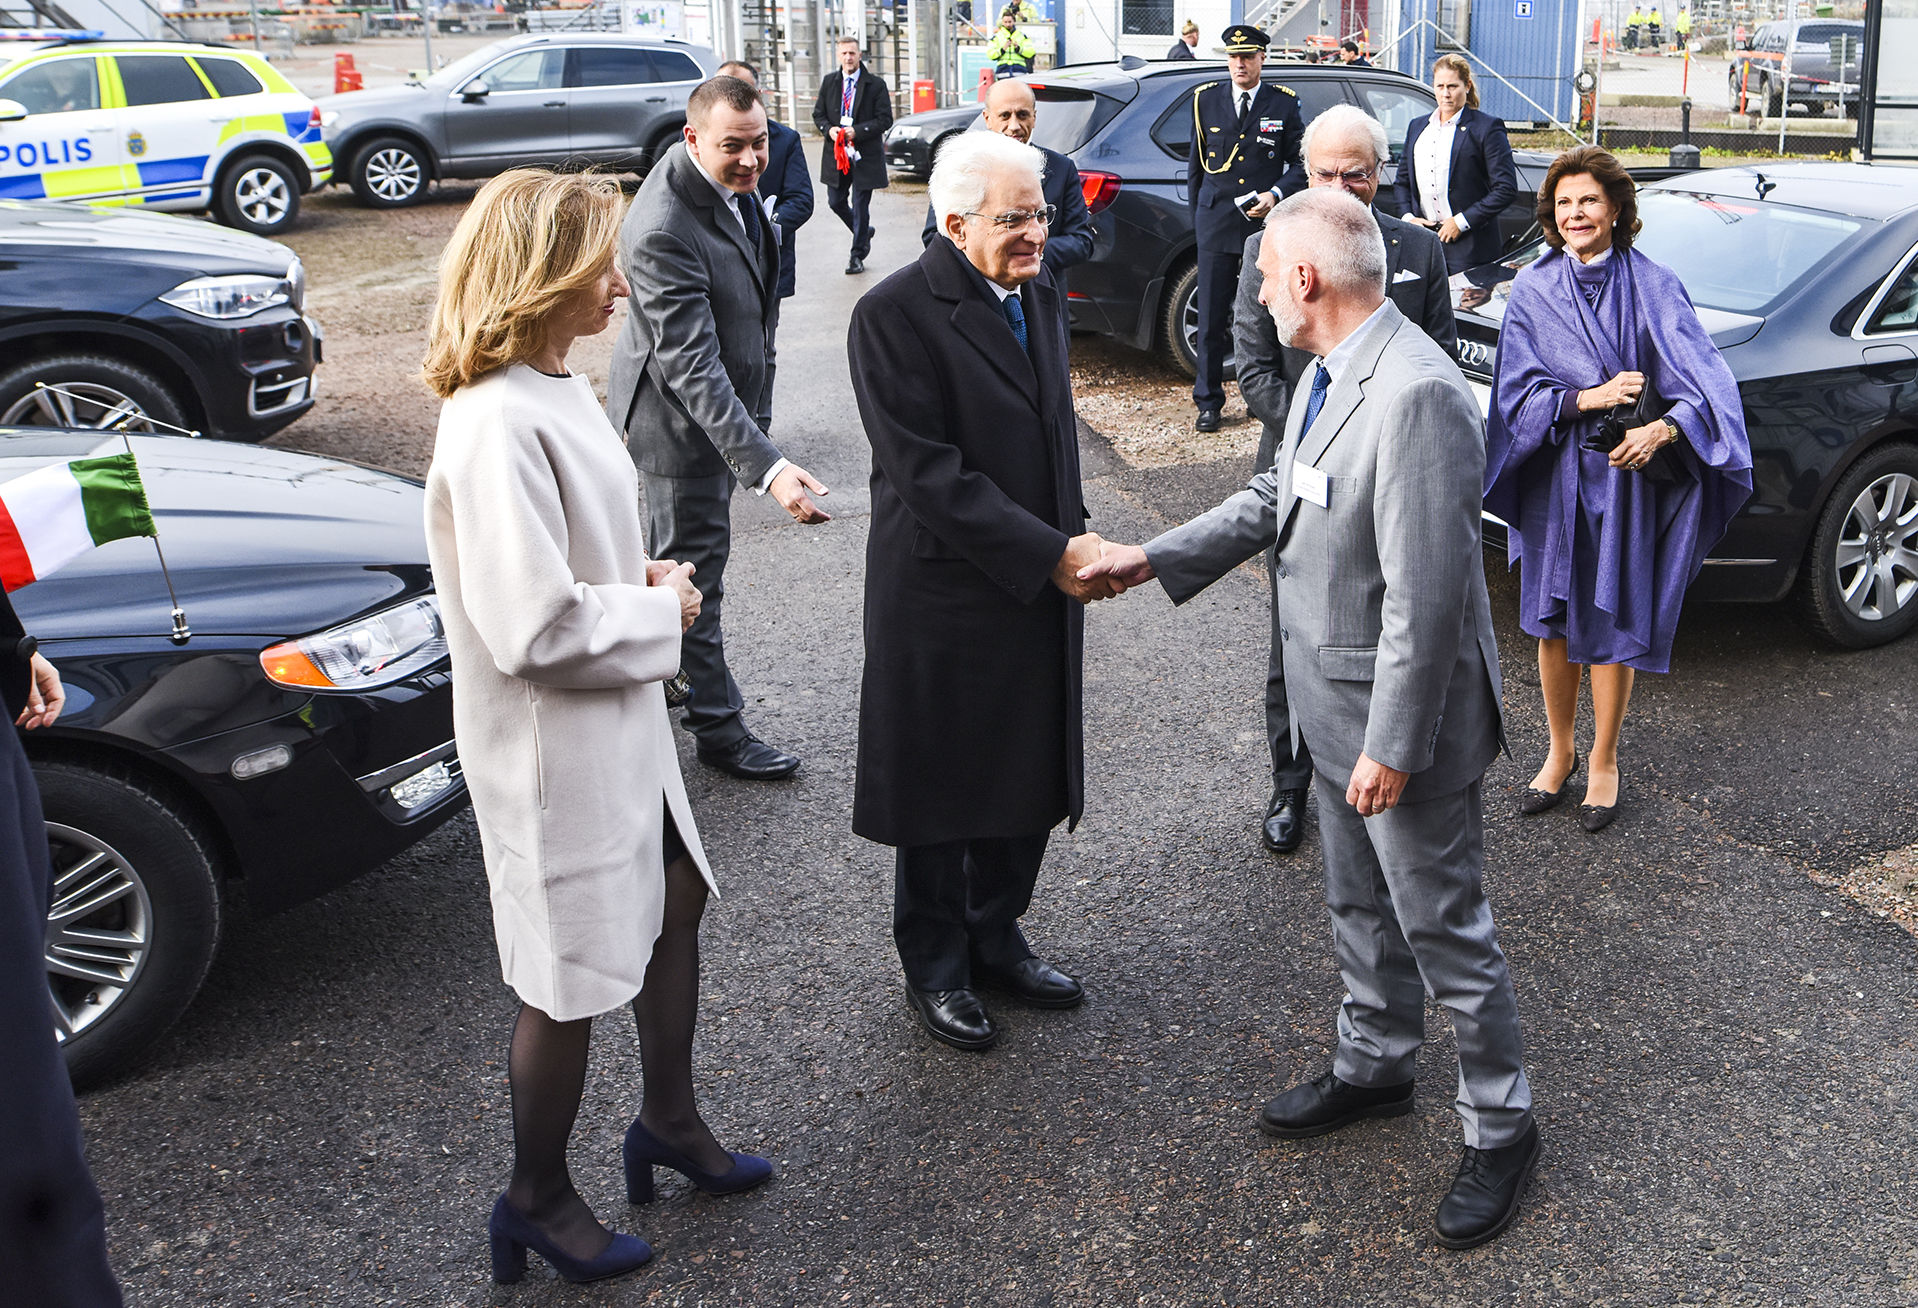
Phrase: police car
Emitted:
{"points": [[159, 125]]}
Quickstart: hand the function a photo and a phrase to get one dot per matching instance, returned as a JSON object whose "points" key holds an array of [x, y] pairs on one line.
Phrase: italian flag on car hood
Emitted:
{"points": [[53, 515]]}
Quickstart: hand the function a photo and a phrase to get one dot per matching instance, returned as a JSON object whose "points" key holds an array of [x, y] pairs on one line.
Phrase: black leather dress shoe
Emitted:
{"points": [[1284, 825], [750, 759], [1323, 1106], [954, 1017], [1208, 420], [1033, 981], [855, 265], [1484, 1196]]}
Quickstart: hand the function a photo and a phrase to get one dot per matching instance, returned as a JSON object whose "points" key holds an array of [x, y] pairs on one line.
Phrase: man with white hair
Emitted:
{"points": [[1380, 610], [1343, 148], [970, 742]]}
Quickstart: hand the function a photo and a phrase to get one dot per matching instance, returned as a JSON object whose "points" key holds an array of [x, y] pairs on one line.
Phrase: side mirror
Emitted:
{"points": [[12, 111], [475, 91]]}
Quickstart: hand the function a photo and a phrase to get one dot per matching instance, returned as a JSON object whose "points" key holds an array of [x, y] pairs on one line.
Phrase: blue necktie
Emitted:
{"points": [[749, 214], [1321, 382], [1016, 317]]}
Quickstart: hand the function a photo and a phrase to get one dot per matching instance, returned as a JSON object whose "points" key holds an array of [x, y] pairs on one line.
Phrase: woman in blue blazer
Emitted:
{"points": [[1461, 192]]}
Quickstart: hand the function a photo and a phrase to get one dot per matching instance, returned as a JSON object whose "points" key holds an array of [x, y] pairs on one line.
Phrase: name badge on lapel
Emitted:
{"points": [[1270, 125], [1308, 483]]}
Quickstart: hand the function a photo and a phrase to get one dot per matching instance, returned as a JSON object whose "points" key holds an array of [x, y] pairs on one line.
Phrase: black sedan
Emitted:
{"points": [[301, 736], [1806, 275], [148, 315], [913, 142]]}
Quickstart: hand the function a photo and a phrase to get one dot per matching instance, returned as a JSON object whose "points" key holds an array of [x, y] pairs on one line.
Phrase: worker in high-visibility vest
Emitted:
{"points": [[1633, 21], [1023, 10], [1653, 21], [1683, 26], [1010, 50]]}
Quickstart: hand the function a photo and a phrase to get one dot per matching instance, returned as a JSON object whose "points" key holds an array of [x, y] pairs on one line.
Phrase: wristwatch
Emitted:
{"points": [[1672, 427]]}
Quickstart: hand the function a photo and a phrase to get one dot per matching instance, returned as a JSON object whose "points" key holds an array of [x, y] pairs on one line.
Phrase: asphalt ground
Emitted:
{"points": [[1722, 1050]]}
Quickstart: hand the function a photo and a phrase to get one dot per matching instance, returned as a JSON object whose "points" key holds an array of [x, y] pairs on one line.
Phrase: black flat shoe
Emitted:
{"points": [[1208, 420], [750, 759], [1596, 817], [953, 1017], [1484, 1196], [1033, 981], [1284, 825], [1535, 800], [1323, 1106]]}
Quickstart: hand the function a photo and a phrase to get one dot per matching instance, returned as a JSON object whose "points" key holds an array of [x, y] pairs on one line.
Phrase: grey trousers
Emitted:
{"points": [[1409, 916], [689, 520], [1291, 769]]}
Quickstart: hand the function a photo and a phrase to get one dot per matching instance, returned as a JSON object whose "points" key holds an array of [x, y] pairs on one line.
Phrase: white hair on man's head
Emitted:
{"points": [[1344, 122], [967, 164], [1330, 229]]}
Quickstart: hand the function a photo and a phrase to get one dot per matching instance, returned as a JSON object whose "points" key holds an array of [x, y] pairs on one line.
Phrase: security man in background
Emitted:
{"points": [[1010, 51], [1244, 160]]}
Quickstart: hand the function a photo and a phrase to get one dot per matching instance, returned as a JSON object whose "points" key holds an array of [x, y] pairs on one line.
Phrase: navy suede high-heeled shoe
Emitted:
{"points": [[511, 1235], [643, 1149]]}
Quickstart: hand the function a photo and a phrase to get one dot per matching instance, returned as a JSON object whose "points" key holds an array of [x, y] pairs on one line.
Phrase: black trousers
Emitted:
{"points": [[689, 520], [53, 1247], [1218, 288], [960, 902], [853, 204]]}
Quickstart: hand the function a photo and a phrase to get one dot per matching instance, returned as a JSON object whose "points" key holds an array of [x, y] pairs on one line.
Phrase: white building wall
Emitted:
{"points": [[1091, 32]]}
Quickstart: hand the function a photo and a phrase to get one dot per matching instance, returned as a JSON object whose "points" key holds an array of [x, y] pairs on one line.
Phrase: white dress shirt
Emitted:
{"points": [[1432, 158]]}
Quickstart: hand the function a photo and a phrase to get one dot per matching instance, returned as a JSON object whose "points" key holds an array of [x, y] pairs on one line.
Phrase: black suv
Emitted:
{"points": [[1128, 127], [149, 316]]}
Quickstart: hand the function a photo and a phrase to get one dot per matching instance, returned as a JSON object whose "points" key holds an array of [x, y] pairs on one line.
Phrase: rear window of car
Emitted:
{"points": [[229, 76], [58, 86], [1822, 33], [159, 79], [674, 66], [1067, 119]]}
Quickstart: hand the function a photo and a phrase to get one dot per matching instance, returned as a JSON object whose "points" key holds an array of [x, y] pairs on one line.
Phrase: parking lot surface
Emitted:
{"points": [[1722, 1047]]}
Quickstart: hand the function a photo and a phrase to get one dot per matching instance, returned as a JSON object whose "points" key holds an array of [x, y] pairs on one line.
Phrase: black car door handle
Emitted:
{"points": [[655, 99], [554, 104], [1891, 365]]}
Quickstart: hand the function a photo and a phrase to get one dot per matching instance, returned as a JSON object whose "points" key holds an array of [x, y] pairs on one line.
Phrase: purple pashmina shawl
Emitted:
{"points": [[1606, 553]]}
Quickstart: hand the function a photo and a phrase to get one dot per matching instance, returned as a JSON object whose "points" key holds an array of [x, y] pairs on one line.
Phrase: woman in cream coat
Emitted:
{"points": [[561, 631]]}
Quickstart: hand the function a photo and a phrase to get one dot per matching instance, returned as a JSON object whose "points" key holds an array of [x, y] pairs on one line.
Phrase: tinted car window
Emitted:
{"points": [[160, 79], [1735, 255], [59, 86], [1899, 311], [609, 66], [1066, 120], [1396, 107], [229, 76], [1822, 33], [536, 70], [673, 66], [1173, 131]]}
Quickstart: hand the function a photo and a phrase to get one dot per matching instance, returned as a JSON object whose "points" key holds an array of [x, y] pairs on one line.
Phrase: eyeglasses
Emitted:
{"points": [[1017, 218], [1355, 177]]}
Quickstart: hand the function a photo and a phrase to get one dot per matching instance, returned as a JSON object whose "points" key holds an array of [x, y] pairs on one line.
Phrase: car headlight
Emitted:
{"points": [[903, 132], [327, 118], [229, 297], [368, 652]]}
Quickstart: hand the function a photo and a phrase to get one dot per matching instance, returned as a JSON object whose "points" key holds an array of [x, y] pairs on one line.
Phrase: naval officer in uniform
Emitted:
{"points": [[1244, 160]]}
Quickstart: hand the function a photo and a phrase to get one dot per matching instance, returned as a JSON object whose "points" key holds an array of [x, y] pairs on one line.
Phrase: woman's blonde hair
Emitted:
{"points": [[1457, 63], [529, 239]]}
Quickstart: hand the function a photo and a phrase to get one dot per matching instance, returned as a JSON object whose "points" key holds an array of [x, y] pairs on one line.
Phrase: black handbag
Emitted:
{"points": [[1622, 418]]}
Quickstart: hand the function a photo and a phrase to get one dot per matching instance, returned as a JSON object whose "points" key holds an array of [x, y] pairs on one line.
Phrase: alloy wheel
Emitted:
{"points": [[261, 195], [1877, 549], [393, 174], [98, 931], [76, 404]]}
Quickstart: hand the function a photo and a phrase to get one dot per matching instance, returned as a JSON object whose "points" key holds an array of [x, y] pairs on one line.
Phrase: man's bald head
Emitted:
{"points": [[1011, 109]]}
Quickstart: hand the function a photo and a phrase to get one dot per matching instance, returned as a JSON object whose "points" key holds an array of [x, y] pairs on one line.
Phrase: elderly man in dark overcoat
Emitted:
{"points": [[970, 747]]}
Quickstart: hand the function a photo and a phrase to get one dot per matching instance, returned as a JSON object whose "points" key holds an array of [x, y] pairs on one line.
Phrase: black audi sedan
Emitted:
{"points": [[913, 142], [300, 736], [149, 315], [1806, 275]]}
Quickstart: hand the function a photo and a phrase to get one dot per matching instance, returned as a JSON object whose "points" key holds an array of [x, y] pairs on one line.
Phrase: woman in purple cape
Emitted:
{"points": [[1608, 542]]}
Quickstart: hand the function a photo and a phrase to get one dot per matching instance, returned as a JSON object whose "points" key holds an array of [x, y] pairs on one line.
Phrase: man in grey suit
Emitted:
{"points": [[689, 375], [1381, 613], [1344, 148]]}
